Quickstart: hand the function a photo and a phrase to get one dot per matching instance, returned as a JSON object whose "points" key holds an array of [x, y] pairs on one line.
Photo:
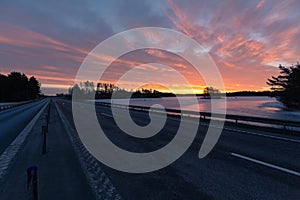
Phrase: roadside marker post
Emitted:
{"points": [[44, 132], [47, 116], [47, 122], [32, 183]]}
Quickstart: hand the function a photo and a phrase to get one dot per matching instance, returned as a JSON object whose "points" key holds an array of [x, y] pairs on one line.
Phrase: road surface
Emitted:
{"points": [[13, 121], [60, 175], [245, 164]]}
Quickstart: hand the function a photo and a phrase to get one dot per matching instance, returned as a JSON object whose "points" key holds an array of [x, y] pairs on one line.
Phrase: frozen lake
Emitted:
{"points": [[248, 106]]}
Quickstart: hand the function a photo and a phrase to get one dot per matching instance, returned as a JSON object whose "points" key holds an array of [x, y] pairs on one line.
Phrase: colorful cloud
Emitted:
{"points": [[246, 39]]}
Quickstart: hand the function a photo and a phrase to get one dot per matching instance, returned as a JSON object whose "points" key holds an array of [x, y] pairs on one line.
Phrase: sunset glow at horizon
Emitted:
{"points": [[246, 39]]}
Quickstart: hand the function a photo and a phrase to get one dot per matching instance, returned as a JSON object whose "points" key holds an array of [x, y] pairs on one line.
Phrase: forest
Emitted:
{"points": [[106, 90], [17, 86]]}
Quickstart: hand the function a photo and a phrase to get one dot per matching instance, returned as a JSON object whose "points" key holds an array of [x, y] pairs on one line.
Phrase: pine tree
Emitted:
{"points": [[287, 84]]}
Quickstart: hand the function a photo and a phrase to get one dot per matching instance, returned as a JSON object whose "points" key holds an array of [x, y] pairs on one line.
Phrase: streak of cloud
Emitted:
{"points": [[246, 39]]}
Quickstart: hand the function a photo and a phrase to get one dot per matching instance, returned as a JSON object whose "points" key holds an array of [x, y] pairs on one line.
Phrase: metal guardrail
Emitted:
{"points": [[212, 116], [12, 105]]}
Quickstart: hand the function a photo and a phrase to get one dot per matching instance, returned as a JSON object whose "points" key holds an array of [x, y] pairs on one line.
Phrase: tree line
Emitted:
{"points": [[104, 90], [287, 85], [17, 86]]}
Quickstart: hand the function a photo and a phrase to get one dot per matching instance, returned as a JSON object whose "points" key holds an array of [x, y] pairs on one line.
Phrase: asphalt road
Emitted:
{"points": [[14, 120], [60, 175], [245, 164]]}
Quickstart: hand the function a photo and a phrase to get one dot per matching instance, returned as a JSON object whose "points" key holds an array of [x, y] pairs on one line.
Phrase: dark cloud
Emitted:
{"points": [[241, 36]]}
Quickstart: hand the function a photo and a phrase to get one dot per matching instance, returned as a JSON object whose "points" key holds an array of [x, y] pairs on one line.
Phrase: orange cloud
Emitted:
{"points": [[184, 24], [243, 38], [260, 4]]}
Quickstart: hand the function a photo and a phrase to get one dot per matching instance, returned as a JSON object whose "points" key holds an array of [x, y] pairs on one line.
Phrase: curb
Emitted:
{"points": [[98, 180], [8, 156]]}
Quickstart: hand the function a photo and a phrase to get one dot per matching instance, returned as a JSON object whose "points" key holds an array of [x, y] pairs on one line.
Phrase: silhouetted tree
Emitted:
{"points": [[34, 87], [106, 90], [17, 87], [287, 84], [3, 87], [76, 89], [210, 92]]}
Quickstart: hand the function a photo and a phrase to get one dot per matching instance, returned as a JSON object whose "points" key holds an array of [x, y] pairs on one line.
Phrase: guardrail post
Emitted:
{"points": [[32, 183], [44, 132]]}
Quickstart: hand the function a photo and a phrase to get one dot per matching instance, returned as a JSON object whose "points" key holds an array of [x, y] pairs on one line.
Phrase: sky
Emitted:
{"points": [[246, 39]]}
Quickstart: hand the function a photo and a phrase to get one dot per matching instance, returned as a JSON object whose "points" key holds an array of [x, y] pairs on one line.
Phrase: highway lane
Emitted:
{"points": [[14, 120], [241, 166], [60, 175], [268, 146]]}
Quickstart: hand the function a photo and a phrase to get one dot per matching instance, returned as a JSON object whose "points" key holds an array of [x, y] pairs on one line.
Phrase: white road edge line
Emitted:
{"points": [[263, 135], [251, 133], [266, 164], [107, 115], [96, 177], [235, 130], [11, 151]]}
